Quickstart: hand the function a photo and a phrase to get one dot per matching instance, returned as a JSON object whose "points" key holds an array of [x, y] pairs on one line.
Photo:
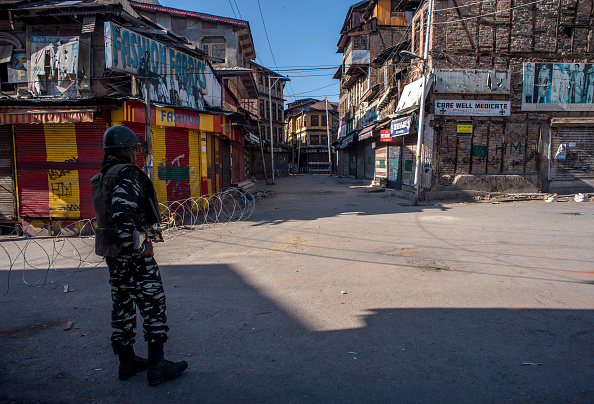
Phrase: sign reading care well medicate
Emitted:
{"points": [[472, 108]]}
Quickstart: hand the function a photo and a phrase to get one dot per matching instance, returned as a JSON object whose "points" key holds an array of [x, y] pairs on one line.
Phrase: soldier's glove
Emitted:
{"points": [[147, 249]]}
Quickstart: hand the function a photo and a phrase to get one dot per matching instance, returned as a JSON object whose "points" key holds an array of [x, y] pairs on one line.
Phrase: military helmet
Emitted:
{"points": [[119, 137]]}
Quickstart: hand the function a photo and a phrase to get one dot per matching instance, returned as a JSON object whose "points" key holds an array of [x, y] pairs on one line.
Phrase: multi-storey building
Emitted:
{"points": [[70, 72], [511, 104], [371, 72], [228, 45], [508, 101], [309, 122], [267, 111]]}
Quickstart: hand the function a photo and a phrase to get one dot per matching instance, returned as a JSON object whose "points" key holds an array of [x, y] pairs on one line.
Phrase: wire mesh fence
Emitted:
{"points": [[38, 257]]}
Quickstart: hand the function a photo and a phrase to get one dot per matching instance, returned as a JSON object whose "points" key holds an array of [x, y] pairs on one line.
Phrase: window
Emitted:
{"points": [[215, 47], [260, 79], [315, 120], [262, 113], [314, 139], [323, 120], [274, 111], [360, 42], [280, 112], [267, 109]]}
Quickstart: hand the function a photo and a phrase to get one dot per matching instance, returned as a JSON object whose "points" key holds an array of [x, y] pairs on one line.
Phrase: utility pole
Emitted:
{"points": [[262, 151], [148, 160], [328, 135], [270, 116], [422, 106]]}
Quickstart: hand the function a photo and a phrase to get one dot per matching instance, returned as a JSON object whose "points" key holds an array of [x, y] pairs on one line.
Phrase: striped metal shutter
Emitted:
{"points": [[7, 188], [381, 160], [578, 163], [54, 165], [32, 171]]}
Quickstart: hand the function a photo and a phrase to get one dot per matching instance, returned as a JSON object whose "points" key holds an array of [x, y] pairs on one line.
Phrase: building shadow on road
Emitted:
{"points": [[243, 346], [312, 198]]}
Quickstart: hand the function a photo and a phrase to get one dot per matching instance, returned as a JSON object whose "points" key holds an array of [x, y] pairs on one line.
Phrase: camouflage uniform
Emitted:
{"points": [[135, 280]]}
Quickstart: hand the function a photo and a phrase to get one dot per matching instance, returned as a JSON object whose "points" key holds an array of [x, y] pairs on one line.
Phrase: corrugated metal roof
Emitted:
{"points": [[186, 13]]}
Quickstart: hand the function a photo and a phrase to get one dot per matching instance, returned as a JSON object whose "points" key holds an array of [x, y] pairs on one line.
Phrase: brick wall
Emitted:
{"points": [[555, 31]]}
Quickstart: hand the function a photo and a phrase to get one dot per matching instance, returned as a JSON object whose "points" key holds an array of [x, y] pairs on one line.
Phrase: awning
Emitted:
{"points": [[367, 132], [16, 116], [348, 139], [411, 95]]}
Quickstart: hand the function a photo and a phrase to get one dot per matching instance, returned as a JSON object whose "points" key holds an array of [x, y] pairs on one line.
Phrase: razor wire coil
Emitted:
{"points": [[45, 256]]}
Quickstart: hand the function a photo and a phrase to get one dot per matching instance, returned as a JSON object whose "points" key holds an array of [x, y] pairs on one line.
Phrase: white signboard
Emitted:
{"points": [[558, 87], [175, 77], [472, 108], [458, 81]]}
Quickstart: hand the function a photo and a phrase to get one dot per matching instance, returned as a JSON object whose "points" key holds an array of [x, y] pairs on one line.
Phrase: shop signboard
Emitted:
{"points": [[175, 78], [472, 108], [385, 135], [400, 127], [464, 128]]}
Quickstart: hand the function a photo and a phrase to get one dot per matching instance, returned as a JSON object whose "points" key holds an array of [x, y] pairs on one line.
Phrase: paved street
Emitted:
{"points": [[332, 294]]}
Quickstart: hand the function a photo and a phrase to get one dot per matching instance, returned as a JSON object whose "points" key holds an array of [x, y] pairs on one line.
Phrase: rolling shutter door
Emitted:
{"points": [[7, 188], [381, 159], [55, 163], [578, 163], [226, 164]]}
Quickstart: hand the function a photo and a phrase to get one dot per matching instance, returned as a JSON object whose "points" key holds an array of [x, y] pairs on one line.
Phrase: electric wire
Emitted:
{"points": [[484, 15], [270, 46], [232, 9]]}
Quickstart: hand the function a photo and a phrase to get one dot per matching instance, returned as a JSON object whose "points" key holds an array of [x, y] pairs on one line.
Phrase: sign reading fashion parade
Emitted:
{"points": [[558, 87], [174, 77], [472, 108], [400, 127]]}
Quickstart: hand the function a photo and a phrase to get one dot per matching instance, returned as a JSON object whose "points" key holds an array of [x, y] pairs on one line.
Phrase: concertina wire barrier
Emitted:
{"points": [[53, 253]]}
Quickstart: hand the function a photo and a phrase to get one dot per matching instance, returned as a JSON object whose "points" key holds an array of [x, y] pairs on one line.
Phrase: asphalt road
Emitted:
{"points": [[330, 294]]}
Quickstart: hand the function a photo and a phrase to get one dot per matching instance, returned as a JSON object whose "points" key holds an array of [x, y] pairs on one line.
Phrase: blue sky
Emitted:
{"points": [[302, 33]]}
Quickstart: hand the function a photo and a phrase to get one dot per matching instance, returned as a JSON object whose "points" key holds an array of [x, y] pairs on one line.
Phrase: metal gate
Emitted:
{"points": [[7, 188]]}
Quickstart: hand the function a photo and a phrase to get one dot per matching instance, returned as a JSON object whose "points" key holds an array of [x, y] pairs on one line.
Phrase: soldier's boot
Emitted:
{"points": [[159, 369], [130, 364]]}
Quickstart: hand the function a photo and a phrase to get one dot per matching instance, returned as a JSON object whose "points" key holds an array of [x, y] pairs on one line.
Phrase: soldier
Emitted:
{"points": [[126, 208]]}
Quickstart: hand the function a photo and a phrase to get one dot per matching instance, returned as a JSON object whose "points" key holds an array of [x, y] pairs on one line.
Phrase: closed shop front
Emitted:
{"points": [[54, 165], [369, 162], [237, 163], [7, 180], [395, 164], [360, 160], [381, 163], [226, 164], [572, 155]]}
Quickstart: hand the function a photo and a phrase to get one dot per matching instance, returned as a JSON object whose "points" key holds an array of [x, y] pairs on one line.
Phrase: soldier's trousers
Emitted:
{"points": [[136, 281]]}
